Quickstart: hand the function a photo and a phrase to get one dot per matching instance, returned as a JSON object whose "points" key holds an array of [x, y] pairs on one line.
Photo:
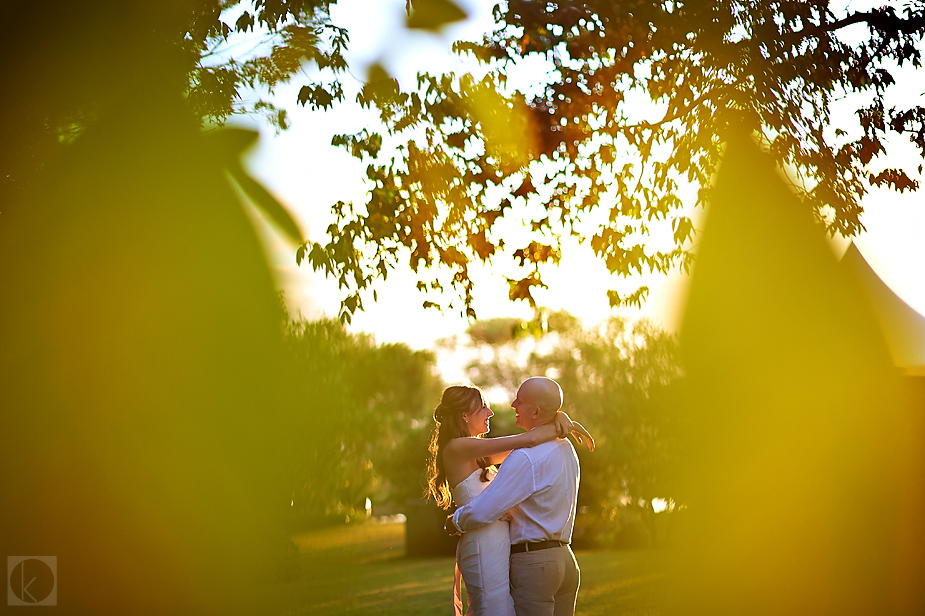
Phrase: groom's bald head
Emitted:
{"points": [[537, 401]]}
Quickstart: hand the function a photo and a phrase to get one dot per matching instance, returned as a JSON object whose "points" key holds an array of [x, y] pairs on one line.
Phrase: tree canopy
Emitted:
{"points": [[587, 120], [630, 110]]}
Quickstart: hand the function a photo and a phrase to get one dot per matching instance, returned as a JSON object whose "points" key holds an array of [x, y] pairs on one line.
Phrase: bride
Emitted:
{"points": [[460, 467]]}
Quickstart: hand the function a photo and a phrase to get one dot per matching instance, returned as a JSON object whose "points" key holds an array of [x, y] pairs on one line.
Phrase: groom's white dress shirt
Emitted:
{"points": [[540, 484]]}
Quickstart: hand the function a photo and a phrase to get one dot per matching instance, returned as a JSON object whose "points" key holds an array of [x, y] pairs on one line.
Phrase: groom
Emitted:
{"points": [[540, 486]]}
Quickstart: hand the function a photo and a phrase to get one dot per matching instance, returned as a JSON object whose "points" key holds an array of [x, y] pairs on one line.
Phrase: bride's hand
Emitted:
{"points": [[507, 517], [565, 426], [582, 436], [449, 527]]}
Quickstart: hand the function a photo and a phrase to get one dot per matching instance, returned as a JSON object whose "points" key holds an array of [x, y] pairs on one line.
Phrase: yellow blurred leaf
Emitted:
{"points": [[433, 14], [506, 125]]}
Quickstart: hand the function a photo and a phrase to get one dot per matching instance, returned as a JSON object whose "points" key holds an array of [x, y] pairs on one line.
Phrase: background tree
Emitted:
{"points": [[616, 377], [630, 112], [363, 411], [616, 380]]}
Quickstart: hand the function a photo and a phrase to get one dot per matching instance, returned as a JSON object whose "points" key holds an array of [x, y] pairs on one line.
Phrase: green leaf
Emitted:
{"points": [[318, 96], [380, 88], [305, 94], [636, 298], [433, 14], [245, 22]]}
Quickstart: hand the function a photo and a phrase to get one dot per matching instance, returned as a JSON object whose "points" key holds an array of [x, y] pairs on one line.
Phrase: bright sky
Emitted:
{"points": [[309, 175]]}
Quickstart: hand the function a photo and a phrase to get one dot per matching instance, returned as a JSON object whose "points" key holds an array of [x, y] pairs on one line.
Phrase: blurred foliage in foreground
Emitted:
{"points": [[150, 409], [142, 374], [804, 465]]}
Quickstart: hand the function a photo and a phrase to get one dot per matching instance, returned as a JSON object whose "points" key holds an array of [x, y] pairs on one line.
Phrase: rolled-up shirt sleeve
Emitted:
{"points": [[513, 484]]}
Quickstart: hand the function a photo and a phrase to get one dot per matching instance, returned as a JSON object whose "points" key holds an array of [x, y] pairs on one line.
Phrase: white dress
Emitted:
{"points": [[483, 559]]}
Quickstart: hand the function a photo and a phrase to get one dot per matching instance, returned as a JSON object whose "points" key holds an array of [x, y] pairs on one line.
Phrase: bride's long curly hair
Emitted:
{"points": [[457, 401]]}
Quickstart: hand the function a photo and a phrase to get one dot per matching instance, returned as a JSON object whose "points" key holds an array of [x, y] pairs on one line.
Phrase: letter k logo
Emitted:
{"points": [[32, 580]]}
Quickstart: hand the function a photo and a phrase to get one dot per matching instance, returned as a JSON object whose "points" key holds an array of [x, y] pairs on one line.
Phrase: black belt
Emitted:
{"points": [[532, 546]]}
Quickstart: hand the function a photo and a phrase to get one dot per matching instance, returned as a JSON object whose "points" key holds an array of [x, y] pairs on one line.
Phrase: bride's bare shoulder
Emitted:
{"points": [[457, 444]]}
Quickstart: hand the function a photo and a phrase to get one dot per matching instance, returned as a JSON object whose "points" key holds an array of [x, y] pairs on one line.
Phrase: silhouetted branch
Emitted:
{"points": [[884, 20]]}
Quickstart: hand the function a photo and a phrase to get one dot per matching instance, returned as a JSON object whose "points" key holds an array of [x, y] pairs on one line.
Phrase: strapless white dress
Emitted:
{"points": [[483, 559]]}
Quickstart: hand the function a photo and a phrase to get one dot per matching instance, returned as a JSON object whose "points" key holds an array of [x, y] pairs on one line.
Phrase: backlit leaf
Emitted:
{"points": [[433, 14]]}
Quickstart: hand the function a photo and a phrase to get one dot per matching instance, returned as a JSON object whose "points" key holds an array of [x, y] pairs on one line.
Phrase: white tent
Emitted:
{"points": [[903, 327]]}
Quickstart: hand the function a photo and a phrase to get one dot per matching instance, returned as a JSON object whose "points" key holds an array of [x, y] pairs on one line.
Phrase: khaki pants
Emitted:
{"points": [[545, 582]]}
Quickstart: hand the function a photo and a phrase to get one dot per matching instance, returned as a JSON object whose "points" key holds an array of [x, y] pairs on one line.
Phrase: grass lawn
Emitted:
{"points": [[362, 570]]}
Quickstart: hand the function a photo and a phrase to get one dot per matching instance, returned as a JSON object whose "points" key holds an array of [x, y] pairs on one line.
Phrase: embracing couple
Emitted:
{"points": [[516, 525]]}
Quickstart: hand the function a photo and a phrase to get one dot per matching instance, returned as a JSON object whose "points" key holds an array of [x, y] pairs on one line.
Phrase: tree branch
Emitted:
{"points": [[884, 20]]}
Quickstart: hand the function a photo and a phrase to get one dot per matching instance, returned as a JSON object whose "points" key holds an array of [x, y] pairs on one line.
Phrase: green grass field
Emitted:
{"points": [[362, 570]]}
